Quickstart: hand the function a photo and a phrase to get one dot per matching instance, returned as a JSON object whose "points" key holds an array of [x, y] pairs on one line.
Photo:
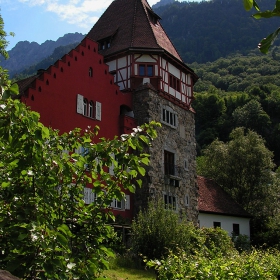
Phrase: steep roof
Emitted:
{"points": [[131, 24], [213, 199]]}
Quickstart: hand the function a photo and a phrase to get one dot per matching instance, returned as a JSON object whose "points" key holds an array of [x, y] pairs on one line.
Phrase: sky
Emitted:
{"points": [[41, 20]]}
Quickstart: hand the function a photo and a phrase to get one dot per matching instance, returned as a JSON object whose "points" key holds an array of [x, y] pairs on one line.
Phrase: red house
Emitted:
{"points": [[126, 72]]}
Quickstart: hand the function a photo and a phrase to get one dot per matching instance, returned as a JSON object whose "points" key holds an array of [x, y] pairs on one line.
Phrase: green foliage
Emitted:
{"points": [[256, 85], [265, 43], [157, 230], [46, 229], [253, 265], [241, 242], [242, 166], [4, 81]]}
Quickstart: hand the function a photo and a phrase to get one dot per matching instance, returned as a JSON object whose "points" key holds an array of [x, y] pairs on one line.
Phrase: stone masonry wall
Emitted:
{"points": [[147, 106]]}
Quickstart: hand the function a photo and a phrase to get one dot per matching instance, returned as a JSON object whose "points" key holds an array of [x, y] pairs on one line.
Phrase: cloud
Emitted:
{"points": [[83, 13]]}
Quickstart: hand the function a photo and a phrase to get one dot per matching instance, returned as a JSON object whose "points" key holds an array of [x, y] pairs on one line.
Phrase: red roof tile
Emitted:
{"points": [[131, 24], [213, 199]]}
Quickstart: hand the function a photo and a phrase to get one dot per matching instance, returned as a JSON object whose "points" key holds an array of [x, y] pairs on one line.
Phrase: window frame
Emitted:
{"points": [[236, 229], [174, 82], [217, 224], [85, 106], [144, 70], [170, 201], [169, 116]]}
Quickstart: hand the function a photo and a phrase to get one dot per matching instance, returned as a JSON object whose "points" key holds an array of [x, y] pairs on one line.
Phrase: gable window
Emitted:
{"points": [[169, 116], [174, 82], [236, 229], [146, 70], [90, 71], [217, 224], [170, 201]]}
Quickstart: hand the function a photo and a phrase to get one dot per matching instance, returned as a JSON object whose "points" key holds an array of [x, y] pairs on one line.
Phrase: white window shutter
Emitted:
{"points": [[88, 195], [127, 202], [111, 167], [98, 111], [113, 203], [80, 104]]}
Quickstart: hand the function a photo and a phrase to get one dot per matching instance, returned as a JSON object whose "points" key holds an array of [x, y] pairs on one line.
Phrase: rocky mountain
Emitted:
{"points": [[26, 54], [201, 32]]}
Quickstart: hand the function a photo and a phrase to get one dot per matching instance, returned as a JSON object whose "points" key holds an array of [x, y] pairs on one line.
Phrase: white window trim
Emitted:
{"points": [[124, 203]]}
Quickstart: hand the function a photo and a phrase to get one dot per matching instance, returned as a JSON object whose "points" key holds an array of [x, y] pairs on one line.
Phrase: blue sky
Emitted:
{"points": [[41, 20]]}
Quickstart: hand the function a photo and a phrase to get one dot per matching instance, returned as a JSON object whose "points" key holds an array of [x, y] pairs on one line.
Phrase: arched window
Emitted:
{"points": [[90, 109], [85, 107], [90, 71]]}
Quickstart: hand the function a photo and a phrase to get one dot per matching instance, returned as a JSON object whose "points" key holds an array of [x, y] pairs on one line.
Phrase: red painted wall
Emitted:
{"points": [[54, 95]]}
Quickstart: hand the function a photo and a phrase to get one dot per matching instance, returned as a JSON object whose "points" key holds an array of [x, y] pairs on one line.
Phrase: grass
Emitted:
{"points": [[122, 273], [124, 268]]}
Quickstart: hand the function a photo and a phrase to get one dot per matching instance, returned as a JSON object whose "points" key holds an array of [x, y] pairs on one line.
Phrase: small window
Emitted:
{"points": [[85, 107], [174, 82], [150, 70], [169, 163], [185, 164], [142, 70], [217, 224], [90, 71], [90, 109], [146, 70], [236, 229], [187, 200], [170, 201], [169, 116], [117, 204]]}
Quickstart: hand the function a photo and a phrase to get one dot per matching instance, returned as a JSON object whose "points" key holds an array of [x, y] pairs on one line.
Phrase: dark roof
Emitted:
{"points": [[25, 83], [213, 199], [131, 24]]}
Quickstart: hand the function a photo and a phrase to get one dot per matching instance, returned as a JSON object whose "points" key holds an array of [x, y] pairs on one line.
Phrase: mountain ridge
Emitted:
{"points": [[25, 54]]}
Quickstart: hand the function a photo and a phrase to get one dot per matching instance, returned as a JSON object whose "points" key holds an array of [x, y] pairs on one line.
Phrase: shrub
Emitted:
{"points": [[157, 230], [254, 265]]}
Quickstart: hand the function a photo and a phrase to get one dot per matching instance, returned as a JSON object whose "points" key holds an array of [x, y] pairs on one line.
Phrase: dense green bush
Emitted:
{"points": [[157, 230], [254, 265]]}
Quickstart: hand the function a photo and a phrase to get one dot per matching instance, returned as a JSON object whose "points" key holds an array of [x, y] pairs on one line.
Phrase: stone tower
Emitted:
{"points": [[144, 62]]}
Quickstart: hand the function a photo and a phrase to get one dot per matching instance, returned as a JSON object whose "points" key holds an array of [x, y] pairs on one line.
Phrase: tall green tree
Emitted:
{"points": [[243, 167]]}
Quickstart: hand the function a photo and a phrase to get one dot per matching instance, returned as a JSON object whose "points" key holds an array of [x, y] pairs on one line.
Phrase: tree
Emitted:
{"points": [[265, 43], [243, 167], [47, 231], [252, 116]]}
